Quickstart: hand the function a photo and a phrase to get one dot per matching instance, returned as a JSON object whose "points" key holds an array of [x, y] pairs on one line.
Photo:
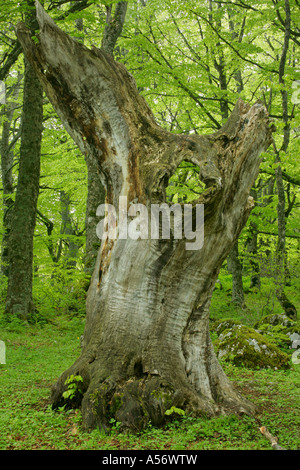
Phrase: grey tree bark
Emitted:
{"points": [[8, 142], [253, 252], [146, 343]]}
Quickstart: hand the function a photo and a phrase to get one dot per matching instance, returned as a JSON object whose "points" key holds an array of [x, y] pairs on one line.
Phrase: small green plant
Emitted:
{"points": [[174, 410], [115, 425], [73, 386]]}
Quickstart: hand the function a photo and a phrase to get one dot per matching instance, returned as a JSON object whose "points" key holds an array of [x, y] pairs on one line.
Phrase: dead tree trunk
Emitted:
{"points": [[146, 343]]}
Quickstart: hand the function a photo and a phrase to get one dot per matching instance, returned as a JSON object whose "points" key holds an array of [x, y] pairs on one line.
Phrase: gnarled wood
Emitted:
{"points": [[146, 343]]}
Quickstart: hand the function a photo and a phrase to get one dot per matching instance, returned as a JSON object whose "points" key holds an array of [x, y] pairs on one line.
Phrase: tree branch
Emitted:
{"points": [[12, 57], [290, 179], [274, 234], [231, 46], [272, 439], [78, 6], [194, 96]]}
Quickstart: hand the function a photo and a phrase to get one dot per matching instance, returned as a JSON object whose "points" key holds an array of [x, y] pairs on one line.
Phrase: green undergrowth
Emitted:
{"points": [[37, 353], [35, 356], [258, 303]]}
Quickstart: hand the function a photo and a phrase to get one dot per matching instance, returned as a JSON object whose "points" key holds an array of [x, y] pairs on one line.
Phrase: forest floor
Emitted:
{"points": [[37, 354]]}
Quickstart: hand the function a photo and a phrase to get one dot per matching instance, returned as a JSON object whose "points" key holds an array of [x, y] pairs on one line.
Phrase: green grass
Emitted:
{"points": [[37, 354]]}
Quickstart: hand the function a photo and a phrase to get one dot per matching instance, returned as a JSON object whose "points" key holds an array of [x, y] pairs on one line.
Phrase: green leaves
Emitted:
{"points": [[174, 411], [73, 382], [184, 185]]}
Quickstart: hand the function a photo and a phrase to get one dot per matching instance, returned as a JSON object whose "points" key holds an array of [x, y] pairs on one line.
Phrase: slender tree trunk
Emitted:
{"points": [[7, 161], [252, 244], [20, 246], [237, 279], [7, 183], [146, 343], [95, 197], [254, 263], [114, 26], [281, 255]]}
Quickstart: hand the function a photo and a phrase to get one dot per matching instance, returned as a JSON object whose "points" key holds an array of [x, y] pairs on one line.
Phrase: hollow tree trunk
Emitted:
{"points": [[146, 343]]}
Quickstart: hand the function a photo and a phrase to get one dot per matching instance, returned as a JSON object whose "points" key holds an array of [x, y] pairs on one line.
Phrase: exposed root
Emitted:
{"points": [[136, 402]]}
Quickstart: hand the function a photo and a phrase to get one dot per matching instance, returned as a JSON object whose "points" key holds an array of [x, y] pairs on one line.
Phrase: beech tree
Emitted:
{"points": [[146, 344]]}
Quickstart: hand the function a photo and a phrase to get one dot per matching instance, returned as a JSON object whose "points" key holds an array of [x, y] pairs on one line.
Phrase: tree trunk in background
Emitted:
{"points": [[251, 244], [7, 161], [96, 191], [237, 295], [20, 244], [146, 343]]}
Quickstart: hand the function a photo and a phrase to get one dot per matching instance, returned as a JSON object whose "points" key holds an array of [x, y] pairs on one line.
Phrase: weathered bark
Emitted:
{"points": [[281, 253], [95, 197], [253, 253], [146, 343], [252, 243]]}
